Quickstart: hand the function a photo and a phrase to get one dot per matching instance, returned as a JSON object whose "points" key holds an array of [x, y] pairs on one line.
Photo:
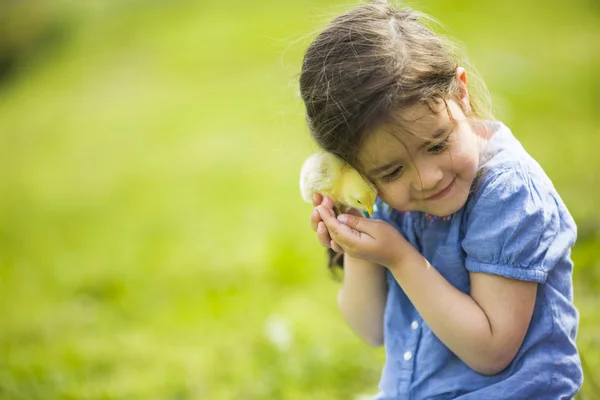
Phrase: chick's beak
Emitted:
{"points": [[370, 211]]}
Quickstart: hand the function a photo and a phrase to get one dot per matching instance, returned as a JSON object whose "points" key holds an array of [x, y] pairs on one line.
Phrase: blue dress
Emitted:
{"points": [[514, 224]]}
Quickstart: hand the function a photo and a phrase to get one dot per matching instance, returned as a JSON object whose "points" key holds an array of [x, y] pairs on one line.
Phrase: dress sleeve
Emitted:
{"points": [[511, 226]]}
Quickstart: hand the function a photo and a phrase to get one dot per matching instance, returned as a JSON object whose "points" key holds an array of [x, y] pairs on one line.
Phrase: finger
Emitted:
{"points": [[327, 202], [336, 247], [359, 224], [315, 218], [337, 231], [317, 198], [323, 235]]}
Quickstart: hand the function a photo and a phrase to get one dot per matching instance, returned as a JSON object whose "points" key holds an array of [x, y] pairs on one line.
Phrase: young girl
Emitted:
{"points": [[464, 272]]}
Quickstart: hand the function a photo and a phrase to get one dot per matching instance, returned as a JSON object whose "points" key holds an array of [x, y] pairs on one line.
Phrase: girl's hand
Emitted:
{"points": [[319, 227], [370, 240]]}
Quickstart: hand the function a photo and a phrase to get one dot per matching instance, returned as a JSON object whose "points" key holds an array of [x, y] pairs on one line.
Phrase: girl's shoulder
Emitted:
{"points": [[506, 169], [514, 219]]}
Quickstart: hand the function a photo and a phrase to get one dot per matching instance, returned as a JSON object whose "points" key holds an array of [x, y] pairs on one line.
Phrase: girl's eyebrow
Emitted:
{"points": [[438, 133]]}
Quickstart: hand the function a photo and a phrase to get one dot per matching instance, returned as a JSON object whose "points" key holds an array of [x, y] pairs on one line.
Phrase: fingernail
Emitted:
{"points": [[342, 218]]}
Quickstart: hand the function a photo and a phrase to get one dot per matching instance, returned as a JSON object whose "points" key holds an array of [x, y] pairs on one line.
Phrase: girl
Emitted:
{"points": [[464, 272]]}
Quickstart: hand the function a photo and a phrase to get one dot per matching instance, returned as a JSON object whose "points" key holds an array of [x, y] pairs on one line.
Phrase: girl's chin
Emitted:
{"points": [[448, 206], [439, 208]]}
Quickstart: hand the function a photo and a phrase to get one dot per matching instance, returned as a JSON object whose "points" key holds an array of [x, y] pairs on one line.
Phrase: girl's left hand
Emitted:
{"points": [[368, 239]]}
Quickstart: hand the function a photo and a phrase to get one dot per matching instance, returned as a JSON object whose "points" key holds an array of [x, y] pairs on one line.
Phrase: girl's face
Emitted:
{"points": [[430, 169]]}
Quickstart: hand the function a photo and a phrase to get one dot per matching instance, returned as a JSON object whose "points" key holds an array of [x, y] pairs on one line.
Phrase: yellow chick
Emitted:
{"points": [[329, 175]]}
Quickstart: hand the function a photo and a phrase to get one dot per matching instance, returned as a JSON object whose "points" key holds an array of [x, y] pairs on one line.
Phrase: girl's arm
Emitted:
{"points": [[484, 329], [362, 299], [362, 296]]}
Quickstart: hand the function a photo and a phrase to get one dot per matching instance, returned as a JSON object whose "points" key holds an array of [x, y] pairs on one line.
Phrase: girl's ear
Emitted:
{"points": [[461, 78]]}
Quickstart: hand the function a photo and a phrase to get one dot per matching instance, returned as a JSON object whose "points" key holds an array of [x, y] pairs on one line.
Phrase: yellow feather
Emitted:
{"points": [[329, 175]]}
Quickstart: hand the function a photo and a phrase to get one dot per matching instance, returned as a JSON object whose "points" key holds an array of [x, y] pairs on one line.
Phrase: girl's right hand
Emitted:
{"points": [[318, 225]]}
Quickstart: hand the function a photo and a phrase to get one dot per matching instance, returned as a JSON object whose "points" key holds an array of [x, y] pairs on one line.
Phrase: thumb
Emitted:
{"points": [[360, 224]]}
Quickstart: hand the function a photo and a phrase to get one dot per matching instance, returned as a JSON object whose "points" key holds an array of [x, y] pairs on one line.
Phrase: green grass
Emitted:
{"points": [[151, 229]]}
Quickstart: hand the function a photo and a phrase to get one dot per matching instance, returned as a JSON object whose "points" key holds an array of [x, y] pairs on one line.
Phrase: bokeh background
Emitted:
{"points": [[153, 242]]}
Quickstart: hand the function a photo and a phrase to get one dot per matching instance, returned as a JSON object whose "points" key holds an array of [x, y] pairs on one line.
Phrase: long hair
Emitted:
{"points": [[368, 63]]}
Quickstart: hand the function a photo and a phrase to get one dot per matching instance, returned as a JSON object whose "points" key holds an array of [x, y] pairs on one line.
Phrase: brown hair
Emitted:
{"points": [[373, 60]]}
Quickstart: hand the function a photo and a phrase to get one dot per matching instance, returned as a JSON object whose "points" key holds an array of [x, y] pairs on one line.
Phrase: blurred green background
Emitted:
{"points": [[153, 242]]}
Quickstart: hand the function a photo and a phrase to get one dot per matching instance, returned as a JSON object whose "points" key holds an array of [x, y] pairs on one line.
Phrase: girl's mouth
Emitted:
{"points": [[442, 193]]}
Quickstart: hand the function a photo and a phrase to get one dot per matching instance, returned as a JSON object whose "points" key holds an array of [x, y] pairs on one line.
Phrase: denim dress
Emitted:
{"points": [[514, 224]]}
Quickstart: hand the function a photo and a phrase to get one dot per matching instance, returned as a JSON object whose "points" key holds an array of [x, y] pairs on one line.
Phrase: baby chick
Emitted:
{"points": [[329, 175]]}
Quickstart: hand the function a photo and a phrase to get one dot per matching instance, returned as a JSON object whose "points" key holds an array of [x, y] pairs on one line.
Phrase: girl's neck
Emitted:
{"points": [[484, 132]]}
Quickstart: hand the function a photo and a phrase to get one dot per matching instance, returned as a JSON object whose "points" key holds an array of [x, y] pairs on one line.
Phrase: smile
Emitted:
{"points": [[443, 192]]}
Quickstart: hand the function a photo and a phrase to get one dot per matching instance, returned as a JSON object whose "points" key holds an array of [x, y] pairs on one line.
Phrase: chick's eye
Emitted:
{"points": [[392, 175]]}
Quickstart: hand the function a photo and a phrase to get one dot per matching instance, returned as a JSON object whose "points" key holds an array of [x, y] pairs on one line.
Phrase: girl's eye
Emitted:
{"points": [[392, 175], [440, 147]]}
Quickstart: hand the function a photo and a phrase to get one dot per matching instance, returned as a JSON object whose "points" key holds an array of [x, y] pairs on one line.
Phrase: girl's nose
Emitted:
{"points": [[427, 177]]}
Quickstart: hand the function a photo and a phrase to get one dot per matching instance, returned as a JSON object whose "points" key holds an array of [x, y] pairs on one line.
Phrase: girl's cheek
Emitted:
{"points": [[394, 193], [466, 158]]}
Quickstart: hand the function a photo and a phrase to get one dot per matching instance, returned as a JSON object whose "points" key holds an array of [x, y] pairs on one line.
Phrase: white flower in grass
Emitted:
{"points": [[278, 332]]}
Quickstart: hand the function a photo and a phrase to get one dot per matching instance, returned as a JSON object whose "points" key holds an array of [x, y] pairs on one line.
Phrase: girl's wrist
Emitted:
{"points": [[364, 264], [402, 252]]}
